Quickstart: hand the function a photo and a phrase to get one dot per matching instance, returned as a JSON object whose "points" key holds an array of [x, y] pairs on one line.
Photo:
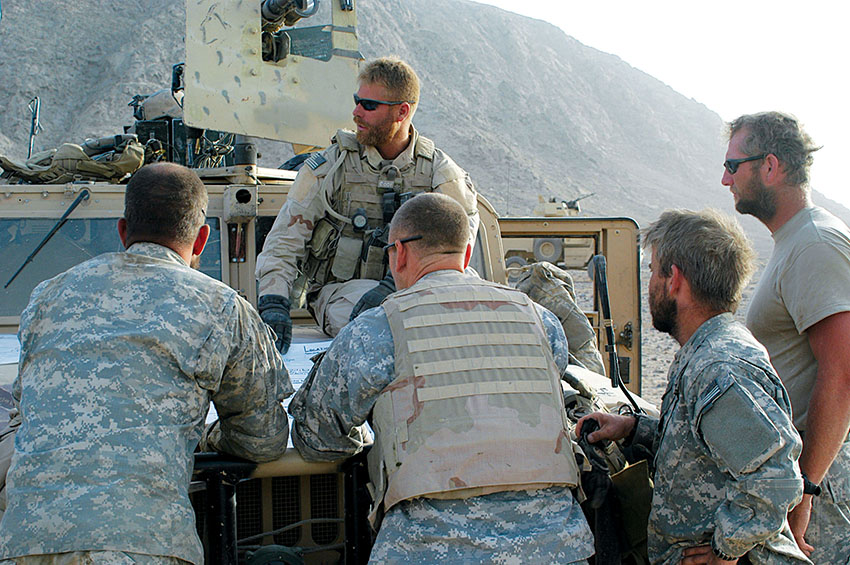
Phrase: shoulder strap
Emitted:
{"points": [[347, 140], [425, 148]]}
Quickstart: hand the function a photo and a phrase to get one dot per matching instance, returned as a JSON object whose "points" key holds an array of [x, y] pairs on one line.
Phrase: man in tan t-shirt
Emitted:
{"points": [[801, 313]]}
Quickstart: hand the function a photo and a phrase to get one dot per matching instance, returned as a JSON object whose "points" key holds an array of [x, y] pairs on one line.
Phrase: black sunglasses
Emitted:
{"points": [[732, 164], [388, 246], [370, 105]]}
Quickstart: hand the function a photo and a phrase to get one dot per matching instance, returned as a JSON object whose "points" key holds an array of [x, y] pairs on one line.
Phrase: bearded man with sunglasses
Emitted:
{"points": [[329, 235], [801, 313]]}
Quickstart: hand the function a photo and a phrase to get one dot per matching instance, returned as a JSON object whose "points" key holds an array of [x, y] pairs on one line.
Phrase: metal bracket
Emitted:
{"points": [[627, 336]]}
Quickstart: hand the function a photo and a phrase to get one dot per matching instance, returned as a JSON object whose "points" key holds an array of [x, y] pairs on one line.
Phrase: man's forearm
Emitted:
{"points": [[826, 428], [829, 406]]}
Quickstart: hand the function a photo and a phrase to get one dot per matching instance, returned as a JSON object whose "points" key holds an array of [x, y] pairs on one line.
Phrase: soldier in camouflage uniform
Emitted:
{"points": [[330, 232], [120, 357], [800, 311], [725, 451], [459, 378]]}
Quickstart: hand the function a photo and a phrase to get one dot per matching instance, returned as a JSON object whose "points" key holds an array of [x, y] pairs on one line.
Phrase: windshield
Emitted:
{"points": [[77, 241]]}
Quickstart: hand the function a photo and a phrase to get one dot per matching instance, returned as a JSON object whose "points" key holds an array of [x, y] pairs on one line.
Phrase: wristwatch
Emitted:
{"points": [[720, 555], [809, 487]]}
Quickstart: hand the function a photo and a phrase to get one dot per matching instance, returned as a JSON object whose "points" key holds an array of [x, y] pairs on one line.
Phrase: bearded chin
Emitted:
{"points": [[762, 206], [376, 135], [664, 311]]}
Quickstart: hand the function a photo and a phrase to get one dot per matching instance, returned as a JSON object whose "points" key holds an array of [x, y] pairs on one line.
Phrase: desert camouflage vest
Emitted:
{"points": [[337, 251], [476, 406]]}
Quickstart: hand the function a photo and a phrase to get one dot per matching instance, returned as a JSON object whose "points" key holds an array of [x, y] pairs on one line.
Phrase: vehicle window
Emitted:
{"points": [[75, 242]]}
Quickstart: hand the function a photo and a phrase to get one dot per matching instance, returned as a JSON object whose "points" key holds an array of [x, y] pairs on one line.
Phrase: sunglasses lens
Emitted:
{"points": [[368, 105], [731, 166]]}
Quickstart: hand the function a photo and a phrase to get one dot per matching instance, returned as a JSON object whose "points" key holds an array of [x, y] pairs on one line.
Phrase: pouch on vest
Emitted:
{"points": [[321, 246], [347, 257], [373, 259], [373, 266]]}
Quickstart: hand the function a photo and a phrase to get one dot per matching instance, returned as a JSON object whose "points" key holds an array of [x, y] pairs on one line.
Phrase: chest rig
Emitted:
{"points": [[360, 201]]}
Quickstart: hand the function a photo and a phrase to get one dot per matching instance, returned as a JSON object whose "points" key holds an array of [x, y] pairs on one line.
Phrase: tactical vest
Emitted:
{"points": [[476, 405], [338, 251]]}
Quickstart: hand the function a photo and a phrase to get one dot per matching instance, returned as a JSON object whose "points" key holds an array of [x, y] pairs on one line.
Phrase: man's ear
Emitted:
{"points": [[677, 280], [772, 169], [401, 255], [122, 231], [404, 111], [201, 239]]}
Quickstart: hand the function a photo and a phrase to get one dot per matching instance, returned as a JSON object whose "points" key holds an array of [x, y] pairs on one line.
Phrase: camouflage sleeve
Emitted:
{"points": [[286, 242], [646, 433], [557, 338], [330, 409], [252, 422], [451, 180], [752, 440]]}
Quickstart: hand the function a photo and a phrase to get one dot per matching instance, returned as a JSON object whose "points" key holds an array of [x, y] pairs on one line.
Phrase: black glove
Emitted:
{"points": [[374, 297], [274, 310], [596, 482]]}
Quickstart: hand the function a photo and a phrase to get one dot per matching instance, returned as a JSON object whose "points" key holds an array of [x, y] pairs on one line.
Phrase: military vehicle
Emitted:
{"points": [[569, 253], [293, 85]]}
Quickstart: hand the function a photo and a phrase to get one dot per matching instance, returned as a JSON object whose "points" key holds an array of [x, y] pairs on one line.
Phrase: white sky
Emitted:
{"points": [[735, 57]]}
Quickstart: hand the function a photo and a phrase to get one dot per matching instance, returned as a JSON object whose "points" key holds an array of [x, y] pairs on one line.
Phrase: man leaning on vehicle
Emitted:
{"points": [[120, 357], [460, 380]]}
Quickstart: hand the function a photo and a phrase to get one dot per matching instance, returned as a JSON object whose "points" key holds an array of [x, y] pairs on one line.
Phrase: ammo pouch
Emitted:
{"points": [[320, 249], [347, 258], [373, 256], [332, 256]]}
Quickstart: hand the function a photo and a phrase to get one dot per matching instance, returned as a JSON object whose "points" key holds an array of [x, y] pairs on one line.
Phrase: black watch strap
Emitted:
{"points": [[809, 487], [720, 555]]}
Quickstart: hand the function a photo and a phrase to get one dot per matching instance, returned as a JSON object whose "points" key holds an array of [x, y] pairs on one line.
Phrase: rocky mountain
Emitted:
{"points": [[523, 107]]}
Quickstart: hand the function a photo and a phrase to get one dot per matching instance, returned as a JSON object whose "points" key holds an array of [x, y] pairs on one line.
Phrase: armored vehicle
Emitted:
{"points": [[292, 85]]}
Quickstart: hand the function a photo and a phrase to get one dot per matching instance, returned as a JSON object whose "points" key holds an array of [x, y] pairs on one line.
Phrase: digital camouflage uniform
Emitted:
{"points": [[286, 247], [533, 526], [120, 357], [725, 452]]}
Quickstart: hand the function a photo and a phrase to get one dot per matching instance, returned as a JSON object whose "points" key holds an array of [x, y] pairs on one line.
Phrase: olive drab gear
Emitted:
{"points": [[476, 406], [338, 250], [69, 162], [552, 288]]}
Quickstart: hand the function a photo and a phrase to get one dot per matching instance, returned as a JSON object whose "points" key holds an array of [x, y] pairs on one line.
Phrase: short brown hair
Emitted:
{"points": [[164, 203], [439, 219], [710, 249], [783, 136], [395, 75]]}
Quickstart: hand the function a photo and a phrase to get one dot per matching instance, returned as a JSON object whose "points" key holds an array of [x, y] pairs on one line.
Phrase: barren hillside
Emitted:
{"points": [[523, 107]]}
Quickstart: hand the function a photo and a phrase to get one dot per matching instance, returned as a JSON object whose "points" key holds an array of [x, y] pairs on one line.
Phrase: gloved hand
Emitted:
{"points": [[274, 310], [374, 297]]}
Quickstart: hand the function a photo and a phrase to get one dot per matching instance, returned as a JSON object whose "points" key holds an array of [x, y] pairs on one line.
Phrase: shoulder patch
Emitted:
{"points": [[315, 161]]}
